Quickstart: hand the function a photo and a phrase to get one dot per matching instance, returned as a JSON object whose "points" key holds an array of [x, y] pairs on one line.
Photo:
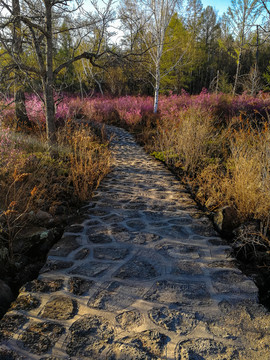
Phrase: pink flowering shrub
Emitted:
{"points": [[35, 110], [132, 110]]}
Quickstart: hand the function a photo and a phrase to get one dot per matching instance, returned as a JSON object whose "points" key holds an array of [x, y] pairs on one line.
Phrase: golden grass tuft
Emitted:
{"points": [[31, 179]]}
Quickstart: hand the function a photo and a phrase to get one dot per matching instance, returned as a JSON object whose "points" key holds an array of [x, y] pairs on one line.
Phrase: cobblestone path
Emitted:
{"points": [[144, 276]]}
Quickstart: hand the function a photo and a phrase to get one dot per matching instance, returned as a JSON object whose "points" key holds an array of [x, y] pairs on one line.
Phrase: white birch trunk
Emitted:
{"points": [[157, 85]]}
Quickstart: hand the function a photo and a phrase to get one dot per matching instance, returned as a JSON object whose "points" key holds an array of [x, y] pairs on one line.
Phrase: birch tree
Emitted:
{"points": [[242, 14], [151, 19], [162, 12]]}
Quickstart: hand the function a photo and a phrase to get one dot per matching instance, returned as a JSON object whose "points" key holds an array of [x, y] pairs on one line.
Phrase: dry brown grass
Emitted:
{"points": [[227, 165], [32, 180], [89, 162], [187, 140], [250, 172]]}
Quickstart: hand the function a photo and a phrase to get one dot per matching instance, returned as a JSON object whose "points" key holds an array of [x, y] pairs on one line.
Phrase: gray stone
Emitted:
{"points": [[144, 238], [110, 253], [113, 218], [136, 224], [66, 245], [200, 349], [90, 268], [203, 230], [173, 320], [43, 286], [99, 238], [6, 354], [226, 220], [10, 324], [223, 264], [175, 251], [25, 302], [154, 215], [123, 351], [79, 286], [55, 358], [39, 338], [186, 268], [181, 221], [60, 308], [52, 265], [135, 205], [82, 254], [226, 281], [149, 344], [89, 336], [189, 293], [98, 212], [137, 269], [129, 319], [115, 296], [217, 241], [34, 237], [43, 216]]}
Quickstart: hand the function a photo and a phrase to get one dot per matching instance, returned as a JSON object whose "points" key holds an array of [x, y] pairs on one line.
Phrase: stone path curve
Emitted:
{"points": [[144, 276]]}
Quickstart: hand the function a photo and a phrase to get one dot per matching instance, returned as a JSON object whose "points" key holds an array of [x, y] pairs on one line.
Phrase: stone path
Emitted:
{"points": [[144, 276]]}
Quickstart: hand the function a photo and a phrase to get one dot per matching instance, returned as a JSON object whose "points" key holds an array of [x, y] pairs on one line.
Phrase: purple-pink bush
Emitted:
{"points": [[131, 110]]}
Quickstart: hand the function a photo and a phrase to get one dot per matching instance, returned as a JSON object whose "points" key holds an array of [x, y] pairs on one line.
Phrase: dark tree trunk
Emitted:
{"points": [[19, 97], [48, 82]]}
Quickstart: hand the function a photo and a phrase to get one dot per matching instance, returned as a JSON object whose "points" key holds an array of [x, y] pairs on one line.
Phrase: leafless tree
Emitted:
{"points": [[148, 21], [242, 14], [40, 27]]}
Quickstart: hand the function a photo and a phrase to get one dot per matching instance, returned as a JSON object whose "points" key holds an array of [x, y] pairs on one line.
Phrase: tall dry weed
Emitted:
{"points": [[88, 157], [250, 172], [89, 163], [242, 178], [187, 140]]}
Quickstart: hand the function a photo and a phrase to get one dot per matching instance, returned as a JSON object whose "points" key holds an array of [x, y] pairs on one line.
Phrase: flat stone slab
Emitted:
{"points": [[145, 238], [184, 267], [25, 302], [39, 338], [149, 344], [10, 324], [88, 337], [90, 269], [129, 319], [173, 320], [144, 276], [115, 296], [67, 244], [179, 293], [110, 253], [137, 269], [175, 251], [44, 286], [79, 286], [60, 308], [205, 349]]}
